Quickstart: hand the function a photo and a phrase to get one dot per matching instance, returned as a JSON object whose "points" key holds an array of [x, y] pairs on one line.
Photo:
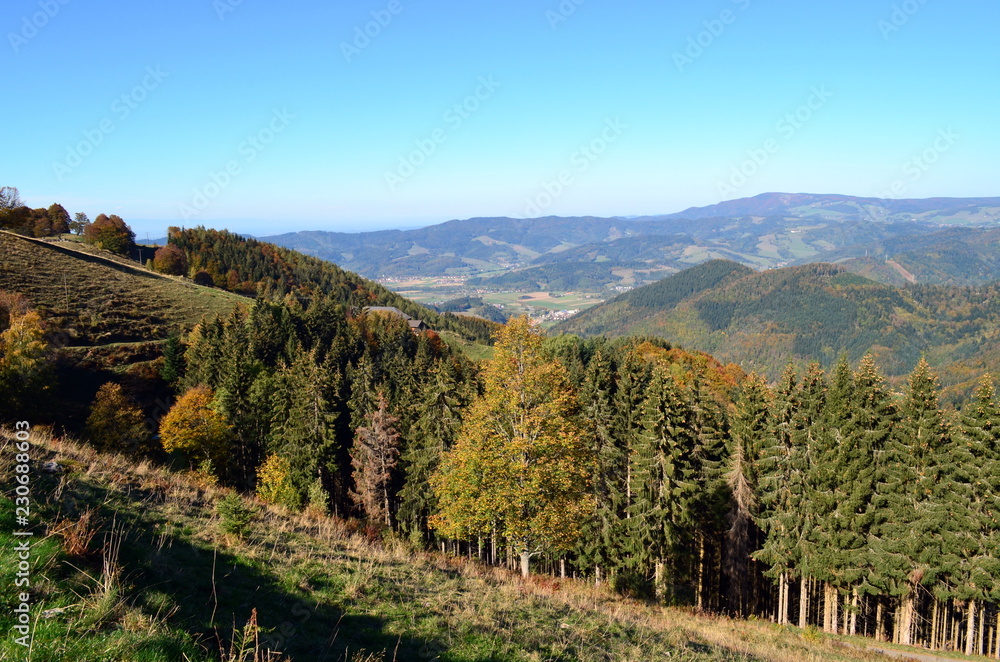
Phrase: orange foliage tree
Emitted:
{"points": [[193, 427]]}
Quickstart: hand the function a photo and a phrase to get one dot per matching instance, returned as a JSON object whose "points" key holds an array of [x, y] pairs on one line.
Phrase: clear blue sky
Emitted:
{"points": [[130, 107]]}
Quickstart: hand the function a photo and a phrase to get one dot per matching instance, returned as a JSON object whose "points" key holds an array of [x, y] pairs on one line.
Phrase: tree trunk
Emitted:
{"points": [[699, 589], [854, 613], [562, 568], [783, 599], [906, 626], [525, 564], [934, 624], [803, 601], [996, 649], [879, 620], [834, 606], [970, 628], [658, 581], [827, 611], [597, 575]]}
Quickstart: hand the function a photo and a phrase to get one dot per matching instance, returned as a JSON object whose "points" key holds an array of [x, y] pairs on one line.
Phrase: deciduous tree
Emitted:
{"points": [[522, 463], [115, 423], [193, 427]]}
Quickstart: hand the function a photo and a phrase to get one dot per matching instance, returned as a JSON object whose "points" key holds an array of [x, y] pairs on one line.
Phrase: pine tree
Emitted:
{"points": [[304, 417], [602, 535], [906, 553], [980, 435], [750, 430], [783, 467], [444, 399]]}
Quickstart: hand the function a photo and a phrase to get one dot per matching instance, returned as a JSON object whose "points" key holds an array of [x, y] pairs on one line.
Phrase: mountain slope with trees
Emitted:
{"points": [[818, 312]]}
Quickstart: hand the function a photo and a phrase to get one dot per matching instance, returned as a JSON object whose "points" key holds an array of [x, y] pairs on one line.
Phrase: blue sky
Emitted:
{"points": [[267, 117]]}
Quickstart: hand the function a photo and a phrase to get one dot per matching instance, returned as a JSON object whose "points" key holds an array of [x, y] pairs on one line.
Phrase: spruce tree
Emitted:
{"points": [[750, 430], [444, 399], [304, 417], [603, 534], [664, 483], [906, 551]]}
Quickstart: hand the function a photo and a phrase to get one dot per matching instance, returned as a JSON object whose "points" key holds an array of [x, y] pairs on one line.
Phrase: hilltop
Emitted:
{"points": [[817, 312]]}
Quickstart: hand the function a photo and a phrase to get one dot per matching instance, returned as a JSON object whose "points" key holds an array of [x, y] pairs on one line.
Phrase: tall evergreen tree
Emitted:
{"points": [[445, 397], [905, 550], [602, 537], [304, 418], [750, 430], [664, 483]]}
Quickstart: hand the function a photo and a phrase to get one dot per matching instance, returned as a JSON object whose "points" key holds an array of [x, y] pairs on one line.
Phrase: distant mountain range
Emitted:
{"points": [[761, 320], [889, 240]]}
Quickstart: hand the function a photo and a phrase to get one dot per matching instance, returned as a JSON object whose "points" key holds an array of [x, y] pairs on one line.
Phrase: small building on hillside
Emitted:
{"points": [[415, 325]]}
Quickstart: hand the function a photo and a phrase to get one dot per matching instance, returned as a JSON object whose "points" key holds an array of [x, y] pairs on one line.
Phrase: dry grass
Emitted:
{"points": [[364, 599], [98, 301]]}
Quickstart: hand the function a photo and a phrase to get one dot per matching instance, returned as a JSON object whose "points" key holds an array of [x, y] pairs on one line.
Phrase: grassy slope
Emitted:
{"points": [[179, 586], [100, 300]]}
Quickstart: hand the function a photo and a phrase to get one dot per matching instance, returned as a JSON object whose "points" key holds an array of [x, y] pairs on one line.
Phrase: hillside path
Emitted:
{"points": [[905, 655]]}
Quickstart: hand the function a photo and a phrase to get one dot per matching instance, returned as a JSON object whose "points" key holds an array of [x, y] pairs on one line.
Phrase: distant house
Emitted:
{"points": [[415, 325]]}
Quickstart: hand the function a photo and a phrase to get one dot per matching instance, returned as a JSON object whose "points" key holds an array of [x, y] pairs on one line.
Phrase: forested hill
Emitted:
{"points": [[818, 312], [621, 315], [951, 256], [253, 267]]}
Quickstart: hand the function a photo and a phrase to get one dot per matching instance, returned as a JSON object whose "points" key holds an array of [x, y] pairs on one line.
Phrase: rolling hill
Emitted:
{"points": [[816, 312], [766, 231], [952, 256], [98, 299]]}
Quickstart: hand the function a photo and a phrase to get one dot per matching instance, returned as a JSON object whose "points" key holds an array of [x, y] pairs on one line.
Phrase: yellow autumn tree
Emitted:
{"points": [[274, 483], [193, 427], [115, 423], [22, 353], [522, 463]]}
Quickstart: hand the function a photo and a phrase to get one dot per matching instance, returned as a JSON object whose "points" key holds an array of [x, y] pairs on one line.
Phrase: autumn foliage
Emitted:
{"points": [[115, 423], [170, 260], [194, 428], [522, 463]]}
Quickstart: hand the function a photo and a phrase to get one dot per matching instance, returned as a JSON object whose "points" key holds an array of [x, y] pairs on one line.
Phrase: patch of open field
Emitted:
{"points": [[98, 300]]}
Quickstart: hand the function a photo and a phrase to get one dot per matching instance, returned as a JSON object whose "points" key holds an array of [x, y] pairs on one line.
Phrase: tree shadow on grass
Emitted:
{"points": [[212, 593]]}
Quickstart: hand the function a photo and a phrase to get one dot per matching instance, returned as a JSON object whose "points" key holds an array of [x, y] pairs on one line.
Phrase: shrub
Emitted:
{"points": [[235, 515], [204, 278], [318, 499], [274, 483]]}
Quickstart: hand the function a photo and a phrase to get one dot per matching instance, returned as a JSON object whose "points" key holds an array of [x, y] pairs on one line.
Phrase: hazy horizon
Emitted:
{"points": [[398, 114]]}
